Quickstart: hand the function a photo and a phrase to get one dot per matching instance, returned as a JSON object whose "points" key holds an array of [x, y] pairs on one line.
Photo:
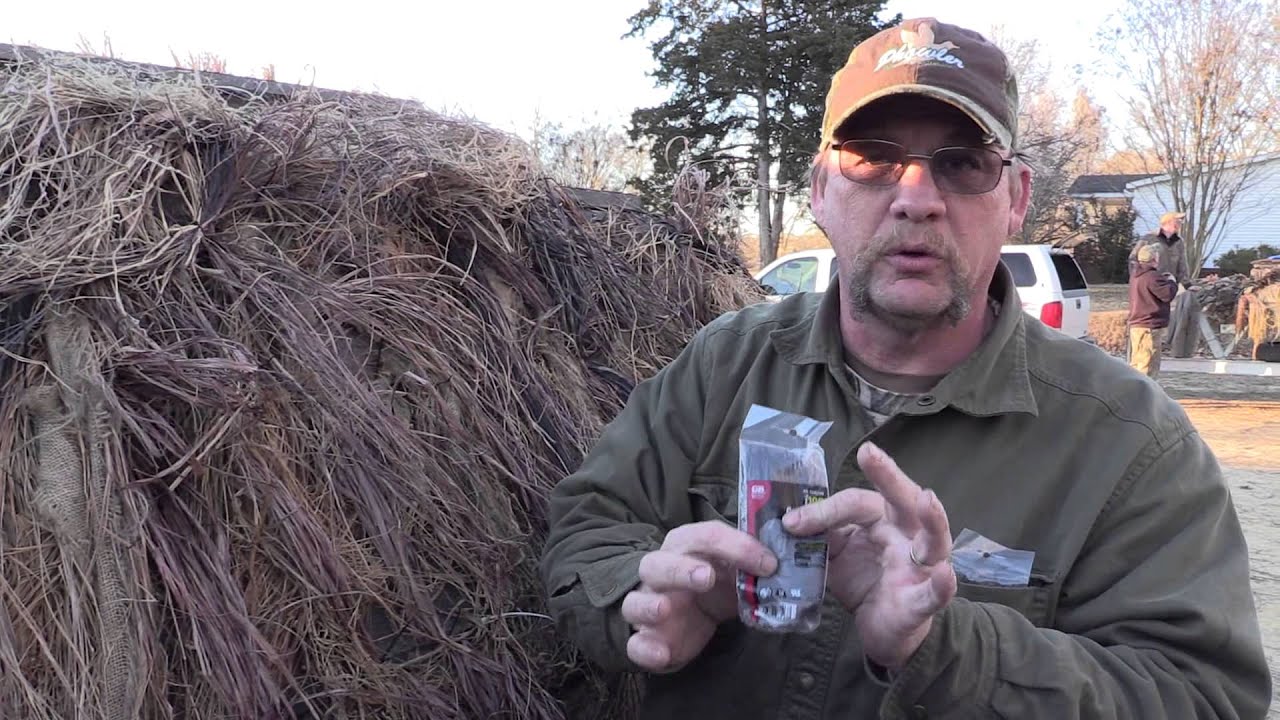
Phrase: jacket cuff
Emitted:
{"points": [[936, 679], [606, 581], [597, 624]]}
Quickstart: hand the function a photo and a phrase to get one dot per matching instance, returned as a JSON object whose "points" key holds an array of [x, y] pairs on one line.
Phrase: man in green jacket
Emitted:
{"points": [[1170, 249], [1170, 257], [950, 409]]}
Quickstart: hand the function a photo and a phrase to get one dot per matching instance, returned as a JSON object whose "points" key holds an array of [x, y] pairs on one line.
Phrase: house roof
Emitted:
{"points": [[1103, 184], [1255, 160]]}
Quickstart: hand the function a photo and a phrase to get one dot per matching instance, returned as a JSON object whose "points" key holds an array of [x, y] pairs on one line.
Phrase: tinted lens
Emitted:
{"points": [[871, 162], [966, 170]]}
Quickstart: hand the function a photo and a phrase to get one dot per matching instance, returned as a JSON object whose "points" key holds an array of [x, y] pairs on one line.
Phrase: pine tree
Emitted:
{"points": [[748, 82]]}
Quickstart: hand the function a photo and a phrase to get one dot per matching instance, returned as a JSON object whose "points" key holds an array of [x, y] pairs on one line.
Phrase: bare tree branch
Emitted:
{"points": [[1055, 146], [1203, 77], [595, 156]]}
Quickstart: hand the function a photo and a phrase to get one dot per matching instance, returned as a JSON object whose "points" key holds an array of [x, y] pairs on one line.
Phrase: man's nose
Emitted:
{"points": [[918, 198]]}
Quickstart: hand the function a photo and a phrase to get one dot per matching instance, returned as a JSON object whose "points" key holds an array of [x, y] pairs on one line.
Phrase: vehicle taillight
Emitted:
{"points": [[1051, 314]]}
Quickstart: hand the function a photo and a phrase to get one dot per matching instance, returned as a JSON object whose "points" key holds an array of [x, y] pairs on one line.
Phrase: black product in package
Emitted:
{"points": [[781, 466]]}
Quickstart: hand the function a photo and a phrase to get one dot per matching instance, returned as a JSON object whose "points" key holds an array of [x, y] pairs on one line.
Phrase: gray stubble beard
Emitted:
{"points": [[857, 287]]}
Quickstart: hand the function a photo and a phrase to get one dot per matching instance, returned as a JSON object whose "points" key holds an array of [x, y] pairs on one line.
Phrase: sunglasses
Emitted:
{"points": [[959, 170]]}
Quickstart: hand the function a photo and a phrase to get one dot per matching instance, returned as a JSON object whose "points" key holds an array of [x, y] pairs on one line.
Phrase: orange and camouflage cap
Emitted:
{"points": [[925, 57]]}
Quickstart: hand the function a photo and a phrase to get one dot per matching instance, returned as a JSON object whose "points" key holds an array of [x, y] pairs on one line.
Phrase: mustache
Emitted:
{"points": [[900, 238], [903, 238]]}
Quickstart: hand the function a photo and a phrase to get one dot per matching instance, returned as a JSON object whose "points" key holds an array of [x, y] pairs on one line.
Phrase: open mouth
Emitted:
{"points": [[913, 261]]}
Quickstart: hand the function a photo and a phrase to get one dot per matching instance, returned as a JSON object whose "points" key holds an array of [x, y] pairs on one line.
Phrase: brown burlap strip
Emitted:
{"points": [[75, 499]]}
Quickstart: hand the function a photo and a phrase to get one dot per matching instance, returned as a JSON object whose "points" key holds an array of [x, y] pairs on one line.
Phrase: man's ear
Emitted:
{"points": [[1018, 208]]}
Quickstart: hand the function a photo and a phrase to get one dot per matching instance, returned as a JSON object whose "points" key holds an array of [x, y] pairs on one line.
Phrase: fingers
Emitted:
{"points": [[916, 513], [847, 507], [646, 648], [899, 491], [932, 545], [934, 590], [838, 539], [664, 570], [923, 599], [641, 607], [683, 587], [723, 545], [943, 584]]}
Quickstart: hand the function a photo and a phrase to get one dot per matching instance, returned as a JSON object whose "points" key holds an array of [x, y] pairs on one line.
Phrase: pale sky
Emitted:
{"points": [[498, 61]]}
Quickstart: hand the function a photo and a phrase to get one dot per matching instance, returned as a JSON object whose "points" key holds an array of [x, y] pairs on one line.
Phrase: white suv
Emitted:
{"points": [[1049, 282], [797, 272]]}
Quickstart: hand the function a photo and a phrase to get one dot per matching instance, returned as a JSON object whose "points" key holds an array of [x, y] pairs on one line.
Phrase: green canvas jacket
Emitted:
{"points": [[1171, 255], [1139, 603]]}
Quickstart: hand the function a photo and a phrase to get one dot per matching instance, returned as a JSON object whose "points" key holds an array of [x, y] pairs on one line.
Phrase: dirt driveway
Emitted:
{"points": [[1240, 419]]}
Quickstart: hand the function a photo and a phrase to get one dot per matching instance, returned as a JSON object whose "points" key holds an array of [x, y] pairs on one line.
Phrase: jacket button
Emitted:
{"points": [[926, 400], [919, 713], [806, 681]]}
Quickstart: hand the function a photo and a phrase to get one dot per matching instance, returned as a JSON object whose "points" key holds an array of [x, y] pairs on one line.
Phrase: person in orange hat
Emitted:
{"points": [[1100, 570], [1169, 247]]}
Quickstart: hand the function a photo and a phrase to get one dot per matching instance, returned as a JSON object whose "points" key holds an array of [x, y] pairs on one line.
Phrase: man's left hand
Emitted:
{"points": [[889, 560]]}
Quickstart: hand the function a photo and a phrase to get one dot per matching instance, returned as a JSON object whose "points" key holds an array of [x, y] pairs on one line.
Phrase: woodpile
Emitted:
{"points": [[1218, 298], [1248, 302]]}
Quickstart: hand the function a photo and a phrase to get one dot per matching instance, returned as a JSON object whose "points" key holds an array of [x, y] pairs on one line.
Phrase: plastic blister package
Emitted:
{"points": [[981, 561], [781, 466]]}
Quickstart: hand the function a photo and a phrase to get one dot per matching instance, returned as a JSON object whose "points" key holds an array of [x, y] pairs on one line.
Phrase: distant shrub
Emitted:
{"points": [[1238, 261]]}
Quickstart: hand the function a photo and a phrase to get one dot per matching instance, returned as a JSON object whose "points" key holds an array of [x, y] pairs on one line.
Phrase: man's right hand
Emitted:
{"points": [[687, 589]]}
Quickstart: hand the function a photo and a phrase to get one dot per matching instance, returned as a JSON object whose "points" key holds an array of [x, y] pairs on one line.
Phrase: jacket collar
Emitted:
{"points": [[994, 380]]}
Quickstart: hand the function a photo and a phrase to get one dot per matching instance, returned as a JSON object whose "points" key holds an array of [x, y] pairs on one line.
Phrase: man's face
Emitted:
{"points": [[1171, 227], [910, 254]]}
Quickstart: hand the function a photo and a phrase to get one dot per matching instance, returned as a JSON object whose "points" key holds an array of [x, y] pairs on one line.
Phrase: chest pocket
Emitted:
{"points": [[1036, 602], [714, 498]]}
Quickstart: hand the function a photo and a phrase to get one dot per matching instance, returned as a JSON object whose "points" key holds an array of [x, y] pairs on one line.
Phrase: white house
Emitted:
{"points": [[1253, 220]]}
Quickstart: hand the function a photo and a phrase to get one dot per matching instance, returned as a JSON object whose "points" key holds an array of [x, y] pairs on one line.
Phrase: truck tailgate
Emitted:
{"points": [[1075, 313]]}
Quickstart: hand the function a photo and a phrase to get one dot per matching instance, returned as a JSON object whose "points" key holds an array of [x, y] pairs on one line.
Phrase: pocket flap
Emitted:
{"points": [[714, 499], [608, 580], [1033, 601]]}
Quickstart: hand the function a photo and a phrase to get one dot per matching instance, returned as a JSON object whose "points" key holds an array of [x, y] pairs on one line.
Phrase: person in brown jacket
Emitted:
{"points": [[950, 409], [1150, 293]]}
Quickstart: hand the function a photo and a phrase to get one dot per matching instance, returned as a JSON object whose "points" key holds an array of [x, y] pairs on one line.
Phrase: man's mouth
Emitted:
{"points": [[914, 252], [913, 259]]}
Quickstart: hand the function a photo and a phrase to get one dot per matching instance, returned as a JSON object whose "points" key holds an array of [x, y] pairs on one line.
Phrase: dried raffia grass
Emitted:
{"points": [[1258, 314], [332, 354]]}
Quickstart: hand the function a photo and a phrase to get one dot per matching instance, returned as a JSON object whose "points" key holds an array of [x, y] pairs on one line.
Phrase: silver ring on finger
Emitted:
{"points": [[911, 553]]}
